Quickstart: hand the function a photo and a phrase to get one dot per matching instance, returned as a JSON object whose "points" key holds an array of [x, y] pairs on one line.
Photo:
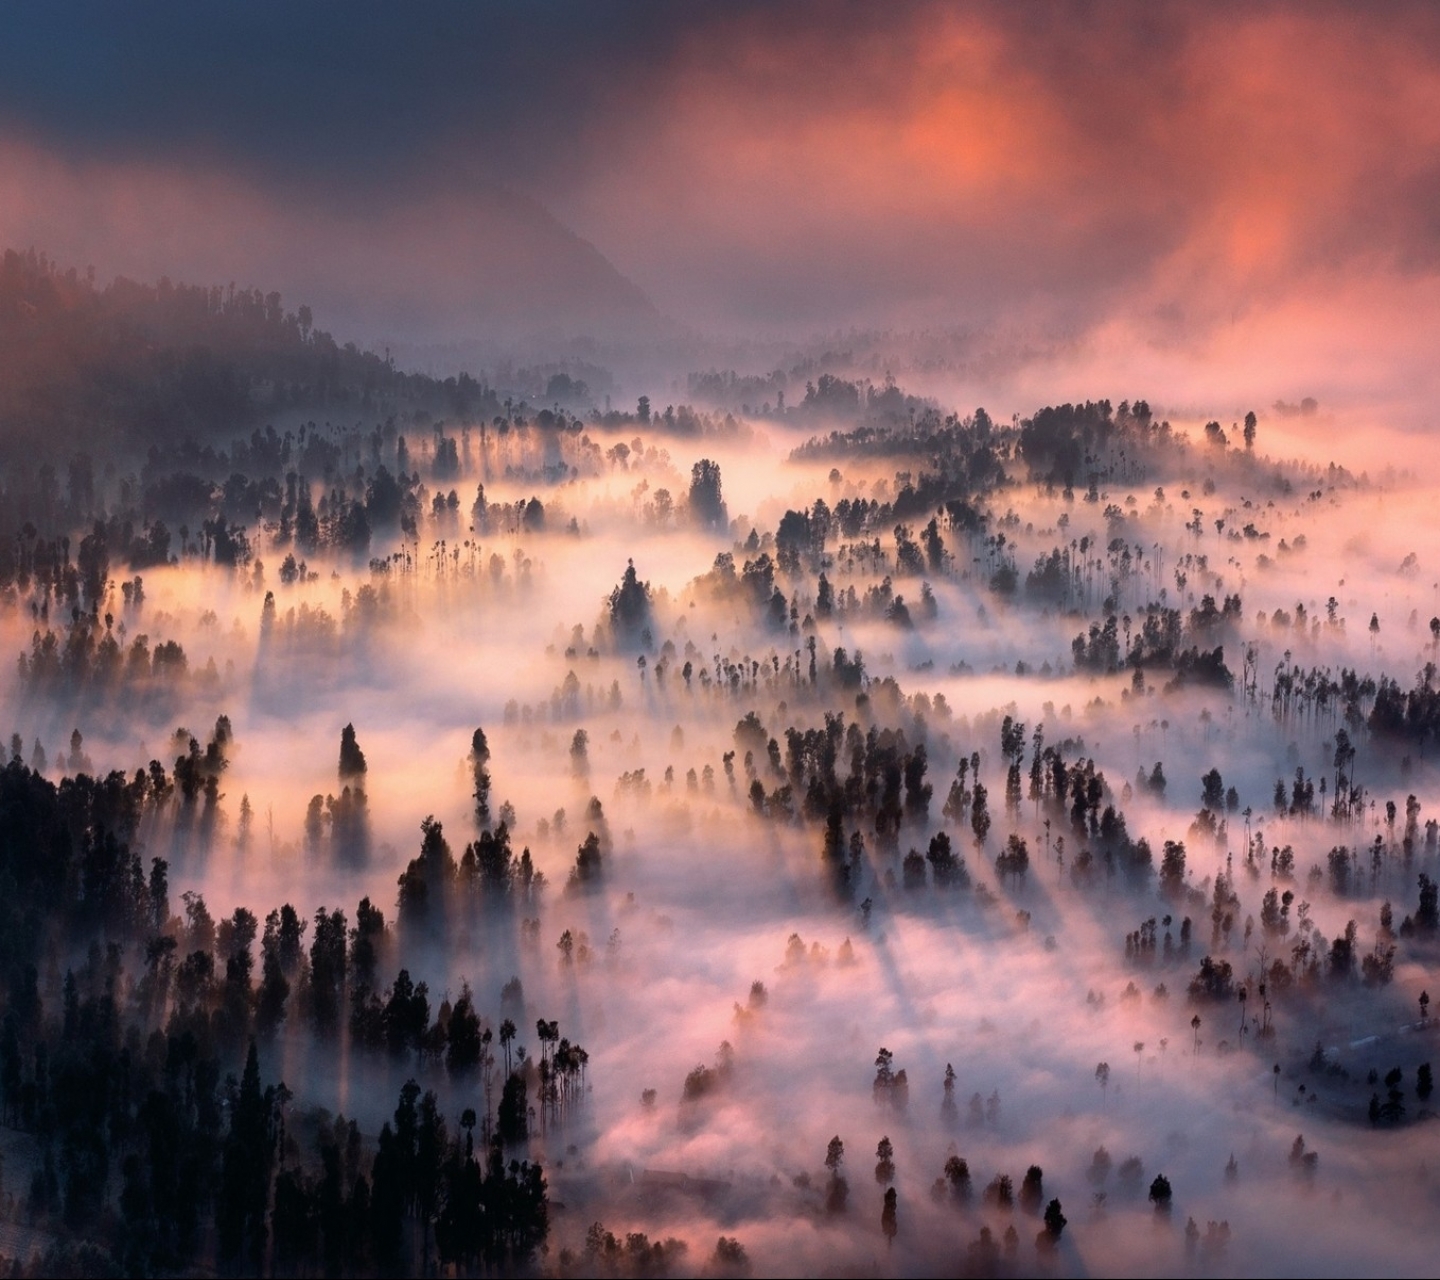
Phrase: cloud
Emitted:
{"points": [[960, 166], [1052, 168]]}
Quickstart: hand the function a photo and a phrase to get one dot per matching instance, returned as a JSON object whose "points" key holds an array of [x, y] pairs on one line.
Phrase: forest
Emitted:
{"points": [[453, 826]]}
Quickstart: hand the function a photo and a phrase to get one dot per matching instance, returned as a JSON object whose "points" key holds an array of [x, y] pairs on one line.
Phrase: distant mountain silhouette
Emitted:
{"points": [[551, 278], [494, 263]]}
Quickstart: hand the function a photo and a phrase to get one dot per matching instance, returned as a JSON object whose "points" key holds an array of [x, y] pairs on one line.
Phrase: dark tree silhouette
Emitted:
{"points": [[589, 864], [480, 775], [838, 1191], [512, 1119], [707, 504], [631, 610], [1160, 1194], [245, 1172], [885, 1162], [957, 1178], [1032, 1189], [352, 759], [1054, 1226]]}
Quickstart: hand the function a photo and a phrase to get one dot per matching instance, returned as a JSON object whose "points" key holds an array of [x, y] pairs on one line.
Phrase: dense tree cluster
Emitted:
{"points": [[435, 888], [121, 1073]]}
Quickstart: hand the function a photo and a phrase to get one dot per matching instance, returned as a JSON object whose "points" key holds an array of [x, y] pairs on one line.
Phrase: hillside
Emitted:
{"points": [[145, 363]]}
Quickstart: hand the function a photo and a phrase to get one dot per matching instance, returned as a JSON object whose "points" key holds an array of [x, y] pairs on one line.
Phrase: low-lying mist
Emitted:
{"points": [[1033, 801]]}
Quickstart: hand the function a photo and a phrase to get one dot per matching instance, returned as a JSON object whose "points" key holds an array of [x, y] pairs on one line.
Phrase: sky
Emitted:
{"points": [[1161, 177]]}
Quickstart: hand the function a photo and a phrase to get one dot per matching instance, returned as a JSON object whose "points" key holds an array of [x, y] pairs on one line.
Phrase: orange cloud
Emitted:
{"points": [[987, 159], [1057, 167]]}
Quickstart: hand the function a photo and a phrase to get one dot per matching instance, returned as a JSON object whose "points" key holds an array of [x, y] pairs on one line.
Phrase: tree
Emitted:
{"points": [[630, 608], [888, 1223], [729, 1258], [948, 1109], [580, 754], [245, 1173], [1014, 861], [480, 773], [328, 968], [979, 815], [589, 863], [427, 879], [1001, 1192], [707, 505], [884, 1075], [839, 1190], [885, 1166], [982, 1255], [1307, 1163], [825, 598], [1054, 1226], [947, 869], [274, 989], [1100, 1164], [464, 1048], [1160, 1194], [1172, 870], [511, 1119], [1032, 1189], [957, 1175], [1427, 914]]}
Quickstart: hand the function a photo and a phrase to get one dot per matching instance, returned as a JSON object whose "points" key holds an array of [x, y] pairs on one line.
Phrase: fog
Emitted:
{"points": [[1020, 983], [525, 476]]}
